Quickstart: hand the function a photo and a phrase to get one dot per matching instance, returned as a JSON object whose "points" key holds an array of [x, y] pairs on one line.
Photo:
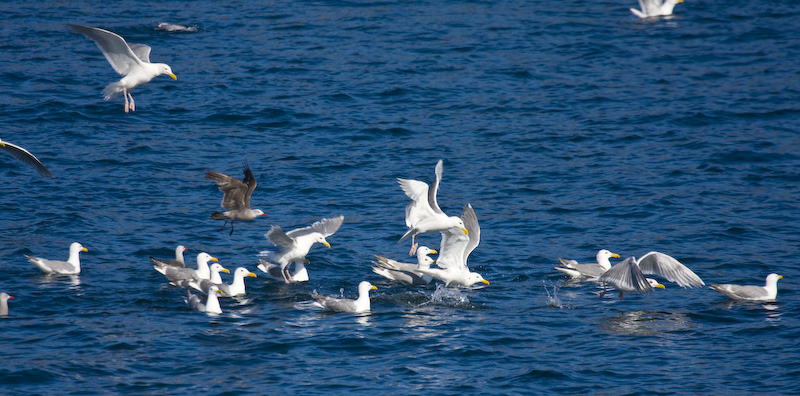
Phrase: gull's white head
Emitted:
{"points": [[218, 268], [425, 262], [605, 254], [76, 247], [165, 69], [321, 239], [364, 287], [424, 251], [456, 221], [259, 212], [654, 283], [772, 279], [205, 258], [474, 278], [241, 271]]}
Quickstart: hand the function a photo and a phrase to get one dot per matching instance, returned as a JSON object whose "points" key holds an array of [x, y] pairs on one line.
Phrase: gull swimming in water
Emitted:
{"points": [[295, 244], [176, 274], [405, 272], [423, 213], [4, 297], [212, 301], [768, 292], [178, 262], [236, 288], [236, 197], [454, 250], [592, 270], [359, 305], [70, 267], [653, 8], [130, 61], [24, 156], [628, 275]]}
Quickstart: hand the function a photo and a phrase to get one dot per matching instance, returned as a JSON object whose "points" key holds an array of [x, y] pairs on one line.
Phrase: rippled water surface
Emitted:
{"points": [[570, 126]]}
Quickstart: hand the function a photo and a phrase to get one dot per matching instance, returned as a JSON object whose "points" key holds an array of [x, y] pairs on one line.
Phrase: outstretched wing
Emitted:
{"points": [[23, 155], [419, 207], [251, 183], [326, 227], [235, 191], [470, 220], [113, 47], [435, 188], [279, 238], [142, 51], [626, 276], [660, 264]]}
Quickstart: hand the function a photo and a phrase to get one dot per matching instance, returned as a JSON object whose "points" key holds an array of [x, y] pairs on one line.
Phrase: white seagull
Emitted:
{"points": [[592, 270], [211, 305], [178, 262], [423, 213], [236, 288], [359, 305], [653, 8], [768, 292], [176, 274], [236, 197], [130, 61], [453, 253], [628, 275], [70, 267], [25, 156], [405, 272], [295, 244]]}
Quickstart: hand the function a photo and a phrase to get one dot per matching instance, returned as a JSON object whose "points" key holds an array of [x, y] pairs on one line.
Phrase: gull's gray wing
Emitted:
{"points": [[26, 157], [113, 47], [660, 264], [234, 190], [337, 304], [279, 238], [326, 227], [434, 188], [142, 51], [55, 266], [587, 270], [470, 220], [626, 276], [742, 292]]}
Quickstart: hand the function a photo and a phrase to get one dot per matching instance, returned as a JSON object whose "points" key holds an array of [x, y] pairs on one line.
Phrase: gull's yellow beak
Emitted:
{"points": [[174, 77], [465, 231], [660, 286], [250, 274], [2, 144], [84, 250], [373, 288], [307, 261], [485, 281], [225, 270], [326, 244], [433, 262], [614, 255], [214, 259], [434, 252], [780, 276]]}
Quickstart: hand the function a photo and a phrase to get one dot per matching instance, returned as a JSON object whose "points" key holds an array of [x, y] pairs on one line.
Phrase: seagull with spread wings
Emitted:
{"points": [[25, 156], [130, 61], [628, 275], [295, 244], [236, 197], [653, 8]]}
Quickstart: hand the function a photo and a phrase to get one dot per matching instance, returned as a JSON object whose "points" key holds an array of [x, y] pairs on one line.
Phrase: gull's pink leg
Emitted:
{"points": [[413, 245], [133, 106], [125, 94]]}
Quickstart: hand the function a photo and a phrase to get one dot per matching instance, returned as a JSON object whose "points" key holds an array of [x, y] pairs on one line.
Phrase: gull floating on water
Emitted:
{"points": [[295, 244], [592, 270], [359, 305], [236, 197], [4, 297], [454, 250], [130, 61], [24, 156], [176, 274], [236, 288], [212, 302], [653, 8], [178, 262], [171, 27], [768, 292], [628, 275], [405, 272], [423, 213], [70, 267]]}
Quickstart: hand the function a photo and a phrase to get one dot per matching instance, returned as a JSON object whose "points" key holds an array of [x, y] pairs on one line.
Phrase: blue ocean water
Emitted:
{"points": [[570, 126]]}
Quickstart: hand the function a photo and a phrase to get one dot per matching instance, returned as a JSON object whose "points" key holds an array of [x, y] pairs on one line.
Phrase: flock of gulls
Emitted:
{"points": [[460, 235]]}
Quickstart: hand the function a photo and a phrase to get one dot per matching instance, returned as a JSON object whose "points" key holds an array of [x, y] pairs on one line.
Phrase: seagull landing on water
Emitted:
{"points": [[423, 213], [236, 198], [24, 156], [294, 246], [654, 8], [130, 61]]}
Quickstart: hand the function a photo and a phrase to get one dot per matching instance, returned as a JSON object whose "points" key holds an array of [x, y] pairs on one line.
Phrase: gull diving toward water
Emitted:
{"points": [[405, 272], [423, 213], [236, 288], [359, 305], [628, 275], [654, 8], [212, 302], [295, 244], [130, 61], [592, 270], [768, 292], [4, 297], [236, 197], [455, 248], [178, 262], [24, 156], [70, 267]]}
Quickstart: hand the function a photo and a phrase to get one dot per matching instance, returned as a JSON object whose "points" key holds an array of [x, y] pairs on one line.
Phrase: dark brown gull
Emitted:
{"points": [[236, 198]]}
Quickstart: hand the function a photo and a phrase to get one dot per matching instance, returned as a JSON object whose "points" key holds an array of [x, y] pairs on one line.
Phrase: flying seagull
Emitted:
{"points": [[236, 197], [295, 244], [628, 275], [24, 156], [130, 61]]}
